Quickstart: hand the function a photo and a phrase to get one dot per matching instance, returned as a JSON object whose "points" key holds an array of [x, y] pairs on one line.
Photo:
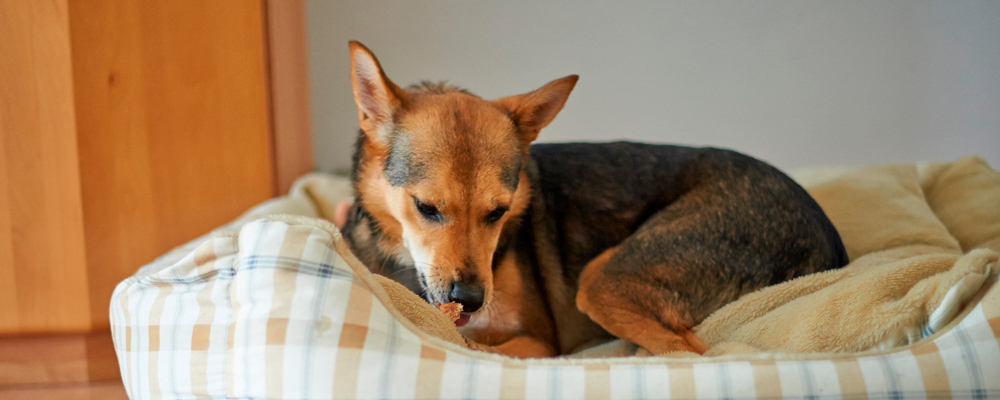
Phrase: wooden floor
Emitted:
{"points": [[108, 390]]}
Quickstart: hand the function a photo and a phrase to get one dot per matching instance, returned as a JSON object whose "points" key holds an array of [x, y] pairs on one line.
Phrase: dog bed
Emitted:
{"points": [[276, 307]]}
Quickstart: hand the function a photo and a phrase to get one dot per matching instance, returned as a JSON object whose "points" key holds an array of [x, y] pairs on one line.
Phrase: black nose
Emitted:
{"points": [[470, 296]]}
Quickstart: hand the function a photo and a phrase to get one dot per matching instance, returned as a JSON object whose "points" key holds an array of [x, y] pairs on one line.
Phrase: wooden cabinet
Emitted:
{"points": [[127, 128]]}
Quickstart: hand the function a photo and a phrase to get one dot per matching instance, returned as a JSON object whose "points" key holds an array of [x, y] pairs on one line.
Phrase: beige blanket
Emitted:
{"points": [[923, 239]]}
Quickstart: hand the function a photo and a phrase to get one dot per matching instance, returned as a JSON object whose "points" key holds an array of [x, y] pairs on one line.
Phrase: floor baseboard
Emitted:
{"points": [[57, 358]]}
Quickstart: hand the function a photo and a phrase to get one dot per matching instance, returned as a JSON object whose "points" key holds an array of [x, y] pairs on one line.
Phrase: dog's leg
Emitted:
{"points": [[650, 324], [657, 284], [519, 346]]}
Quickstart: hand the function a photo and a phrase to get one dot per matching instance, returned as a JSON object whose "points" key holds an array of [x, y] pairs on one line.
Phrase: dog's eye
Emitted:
{"points": [[496, 214], [428, 211]]}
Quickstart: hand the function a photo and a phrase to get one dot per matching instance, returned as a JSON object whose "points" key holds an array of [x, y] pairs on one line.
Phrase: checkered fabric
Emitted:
{"points": [[282, 310]]}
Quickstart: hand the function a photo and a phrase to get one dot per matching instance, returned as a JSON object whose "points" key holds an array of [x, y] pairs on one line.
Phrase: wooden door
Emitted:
{"points": [[128, 128]]}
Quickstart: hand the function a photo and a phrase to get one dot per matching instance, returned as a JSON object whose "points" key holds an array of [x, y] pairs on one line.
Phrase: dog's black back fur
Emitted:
{"points": [[600, 193]]}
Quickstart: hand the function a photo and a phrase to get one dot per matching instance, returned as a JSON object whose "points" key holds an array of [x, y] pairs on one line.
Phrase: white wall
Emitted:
{"points": [[791, 82]]}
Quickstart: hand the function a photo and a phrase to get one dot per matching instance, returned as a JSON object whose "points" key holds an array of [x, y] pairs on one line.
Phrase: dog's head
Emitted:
{"points": [[442, 172]]}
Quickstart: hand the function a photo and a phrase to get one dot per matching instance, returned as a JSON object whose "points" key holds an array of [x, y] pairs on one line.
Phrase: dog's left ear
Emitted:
{"points": [[535, 110]]}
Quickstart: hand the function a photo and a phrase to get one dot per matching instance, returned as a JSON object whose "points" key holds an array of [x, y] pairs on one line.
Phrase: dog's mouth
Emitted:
{"points": [[433, 297], [463, 317]]}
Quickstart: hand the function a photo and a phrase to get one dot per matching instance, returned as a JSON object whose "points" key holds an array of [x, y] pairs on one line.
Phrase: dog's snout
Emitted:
{"points": [[469, 295]]}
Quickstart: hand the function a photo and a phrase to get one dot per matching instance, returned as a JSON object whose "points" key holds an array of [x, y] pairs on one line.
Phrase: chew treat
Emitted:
{"points": [[453, 310]]}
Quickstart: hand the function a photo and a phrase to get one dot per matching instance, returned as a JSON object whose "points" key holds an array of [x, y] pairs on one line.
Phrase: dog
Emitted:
{"points": [[551, 248]]}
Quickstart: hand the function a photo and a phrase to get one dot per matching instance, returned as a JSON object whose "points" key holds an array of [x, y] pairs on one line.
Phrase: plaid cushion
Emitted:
{"points": [[282, 310]]}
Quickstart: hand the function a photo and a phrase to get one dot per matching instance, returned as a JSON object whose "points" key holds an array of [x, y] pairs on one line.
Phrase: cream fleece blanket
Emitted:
{"points": [[922, 239]]}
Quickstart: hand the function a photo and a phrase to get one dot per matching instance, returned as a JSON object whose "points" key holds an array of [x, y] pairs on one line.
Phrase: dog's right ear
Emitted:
{"points": [[376, 96]]}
